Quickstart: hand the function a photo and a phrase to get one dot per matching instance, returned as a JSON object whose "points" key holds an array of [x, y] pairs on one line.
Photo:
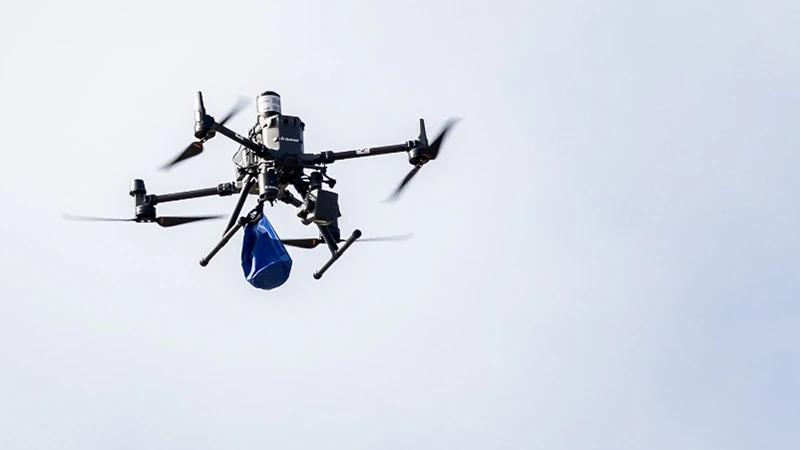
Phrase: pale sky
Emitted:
{"points": [[606, 252]]}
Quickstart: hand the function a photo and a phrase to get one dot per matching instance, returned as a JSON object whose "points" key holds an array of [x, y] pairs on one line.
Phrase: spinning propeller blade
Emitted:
{"points": [[397, 237], [237, 108], [428, 153], [66, 216], [164, 221], [433, 150], [313, 242], [302, 243], [196, 147], [405, 181], [171, 221]]}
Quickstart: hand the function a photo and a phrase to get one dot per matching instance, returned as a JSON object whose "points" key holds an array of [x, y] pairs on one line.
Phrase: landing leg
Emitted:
{"points": [[247, 184], [334, 230], [252, 217], [337, 253], [329, 238]]}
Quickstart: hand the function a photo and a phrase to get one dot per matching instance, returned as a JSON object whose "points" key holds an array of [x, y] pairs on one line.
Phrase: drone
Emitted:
{"points": [[270, 161]]}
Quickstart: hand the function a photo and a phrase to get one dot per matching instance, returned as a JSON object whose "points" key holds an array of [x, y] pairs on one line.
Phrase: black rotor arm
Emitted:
{"points": [[329, 157], [222, 190], [259, 149], [419, 151]]}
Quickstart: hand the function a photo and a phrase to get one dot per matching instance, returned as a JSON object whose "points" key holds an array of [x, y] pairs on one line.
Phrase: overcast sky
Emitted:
{"points": [[606, 252]]}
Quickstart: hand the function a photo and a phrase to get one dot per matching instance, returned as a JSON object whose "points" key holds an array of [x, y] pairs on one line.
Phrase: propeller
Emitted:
{"points": [[423, 154], [196, 147], [164, 221], [313, 242]]}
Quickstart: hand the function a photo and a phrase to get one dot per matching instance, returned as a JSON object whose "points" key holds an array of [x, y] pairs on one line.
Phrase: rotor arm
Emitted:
{"points": [[259, 149], [222, 190], [414, 148], [330, 157]]}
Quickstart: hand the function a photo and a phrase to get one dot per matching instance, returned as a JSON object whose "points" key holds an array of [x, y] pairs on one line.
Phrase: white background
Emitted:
{"points": [[606, 251]]}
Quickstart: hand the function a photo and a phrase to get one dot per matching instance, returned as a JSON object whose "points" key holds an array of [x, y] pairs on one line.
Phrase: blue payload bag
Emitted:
{"points": [[265, 261]]}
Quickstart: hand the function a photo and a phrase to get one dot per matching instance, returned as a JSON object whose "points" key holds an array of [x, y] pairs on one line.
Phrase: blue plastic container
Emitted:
{"points": [[265, 261]]}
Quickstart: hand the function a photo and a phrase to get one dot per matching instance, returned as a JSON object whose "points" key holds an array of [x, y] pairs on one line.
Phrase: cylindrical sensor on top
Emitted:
{"points": [[269, 103]]}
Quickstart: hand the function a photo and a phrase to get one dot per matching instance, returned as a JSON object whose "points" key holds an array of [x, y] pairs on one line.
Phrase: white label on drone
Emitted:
{"points": [[270, 103], [273, 104], [362, 151]]}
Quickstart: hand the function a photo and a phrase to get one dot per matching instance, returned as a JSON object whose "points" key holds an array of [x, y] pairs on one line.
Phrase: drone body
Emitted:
{"points": [[270, 161]]}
